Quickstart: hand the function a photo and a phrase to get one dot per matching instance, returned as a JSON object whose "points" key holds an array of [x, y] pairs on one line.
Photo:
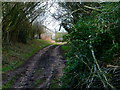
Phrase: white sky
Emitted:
{"points": [[51, 22]]}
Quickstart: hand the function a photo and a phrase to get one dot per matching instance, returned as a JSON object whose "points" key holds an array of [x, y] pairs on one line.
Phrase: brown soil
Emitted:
{"points": [[39, 70]]}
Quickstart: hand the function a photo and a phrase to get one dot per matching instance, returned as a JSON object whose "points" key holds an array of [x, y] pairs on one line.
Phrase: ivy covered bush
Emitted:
{"points": [[94, 41]]}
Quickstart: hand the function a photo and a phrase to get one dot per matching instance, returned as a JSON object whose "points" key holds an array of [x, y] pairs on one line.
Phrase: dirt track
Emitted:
{"points": [[39, 70]]}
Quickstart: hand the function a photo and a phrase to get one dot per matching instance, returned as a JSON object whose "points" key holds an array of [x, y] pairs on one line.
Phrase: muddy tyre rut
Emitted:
{"points": [[38, 70]]}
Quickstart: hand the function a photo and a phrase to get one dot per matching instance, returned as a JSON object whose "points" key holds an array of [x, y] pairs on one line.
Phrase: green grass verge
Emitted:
{"points": [[14, 55], [37, 82], [66, 48], [9, 83], [54, 83]]}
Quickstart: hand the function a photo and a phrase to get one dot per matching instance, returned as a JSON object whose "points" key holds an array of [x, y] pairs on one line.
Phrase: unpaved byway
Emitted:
{"points": [[39, 70]]}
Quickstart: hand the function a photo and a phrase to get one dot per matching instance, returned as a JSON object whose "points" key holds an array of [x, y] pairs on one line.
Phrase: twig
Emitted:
{"points": [[99, 69]]}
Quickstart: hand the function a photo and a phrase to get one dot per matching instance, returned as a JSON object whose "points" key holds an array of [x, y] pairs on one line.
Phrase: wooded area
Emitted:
{"points": [[93, 39], [18, 20]]}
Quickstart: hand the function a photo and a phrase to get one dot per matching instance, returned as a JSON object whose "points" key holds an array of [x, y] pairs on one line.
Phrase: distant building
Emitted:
{"points": [[46, 36]]}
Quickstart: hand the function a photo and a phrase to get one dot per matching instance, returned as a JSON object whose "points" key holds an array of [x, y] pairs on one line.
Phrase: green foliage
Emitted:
{"points": [[66, 48], [59, 36], [17, 22], [94, 40], [15, 54], [55, 83], [9, 83], [37, 82]]}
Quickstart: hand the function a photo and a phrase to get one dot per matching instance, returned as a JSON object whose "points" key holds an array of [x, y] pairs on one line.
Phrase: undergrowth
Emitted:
{"points": [[15, 54], [94, 42]]}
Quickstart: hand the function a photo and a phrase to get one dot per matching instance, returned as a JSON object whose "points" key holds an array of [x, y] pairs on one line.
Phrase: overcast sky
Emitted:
{"points": [[51, 22]]}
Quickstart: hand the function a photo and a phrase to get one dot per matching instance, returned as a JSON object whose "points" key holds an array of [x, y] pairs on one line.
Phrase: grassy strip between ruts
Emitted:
{"points": [[9, 83], [16, 54]]}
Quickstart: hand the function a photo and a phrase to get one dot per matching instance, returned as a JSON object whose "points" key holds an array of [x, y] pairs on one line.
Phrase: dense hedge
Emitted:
{"points": [[95, 42]]}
